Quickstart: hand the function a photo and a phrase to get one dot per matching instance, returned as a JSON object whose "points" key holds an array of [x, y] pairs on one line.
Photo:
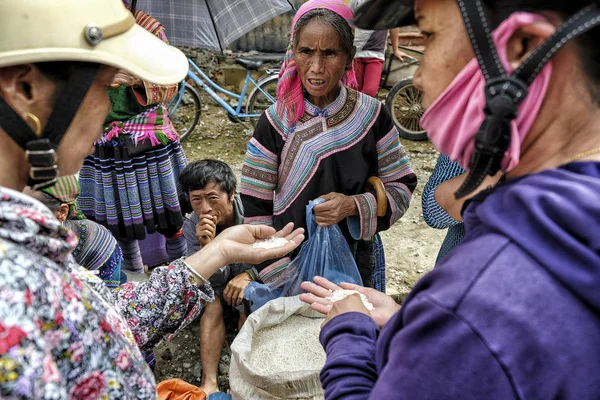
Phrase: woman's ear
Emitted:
{"points": [[27, 90], [526, 39], [16, 87], [63, 212]]}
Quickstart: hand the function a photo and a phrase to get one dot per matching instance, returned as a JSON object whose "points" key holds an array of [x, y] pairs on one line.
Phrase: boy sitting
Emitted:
{"points": [[211, 186]]}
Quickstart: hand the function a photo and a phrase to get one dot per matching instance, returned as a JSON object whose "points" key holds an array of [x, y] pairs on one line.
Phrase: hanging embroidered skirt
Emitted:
{"points": [[370, 260], [133, 193], [379, 273]]}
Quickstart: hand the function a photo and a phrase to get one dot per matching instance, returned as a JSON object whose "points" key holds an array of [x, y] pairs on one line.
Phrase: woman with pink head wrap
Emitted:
{"points": [[290, 90], [324, 139]]}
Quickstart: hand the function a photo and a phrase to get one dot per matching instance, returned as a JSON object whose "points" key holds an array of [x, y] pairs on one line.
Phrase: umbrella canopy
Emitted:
{"points": [[211, 24]]}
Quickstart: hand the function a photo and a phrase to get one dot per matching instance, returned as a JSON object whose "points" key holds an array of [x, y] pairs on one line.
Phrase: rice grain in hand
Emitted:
{"points": [[341, 294], [270, 243]]}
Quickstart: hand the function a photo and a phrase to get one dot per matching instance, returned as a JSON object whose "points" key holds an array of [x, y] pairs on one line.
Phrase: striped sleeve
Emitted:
{"points": [[259, 175], [151, 93], [397, 176], [259, 172], [259, 180], [151, 24], [434, 215]]}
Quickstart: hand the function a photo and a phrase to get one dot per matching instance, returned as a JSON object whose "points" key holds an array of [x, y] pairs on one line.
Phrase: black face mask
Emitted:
{"points": [[41, 150]]}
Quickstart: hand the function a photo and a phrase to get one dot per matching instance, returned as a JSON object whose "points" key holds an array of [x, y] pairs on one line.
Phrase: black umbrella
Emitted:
{"points": [[211, 24]]}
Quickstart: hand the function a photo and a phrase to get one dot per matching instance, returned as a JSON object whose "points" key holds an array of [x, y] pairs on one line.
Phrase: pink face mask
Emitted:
{"points": [[455, 117]]}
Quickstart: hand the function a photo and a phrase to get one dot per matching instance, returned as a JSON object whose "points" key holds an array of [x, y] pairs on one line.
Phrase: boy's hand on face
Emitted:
{"points": [[206, 229]]}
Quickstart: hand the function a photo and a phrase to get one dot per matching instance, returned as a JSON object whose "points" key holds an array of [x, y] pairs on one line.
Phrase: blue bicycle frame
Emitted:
{"points": [[208, 88]]}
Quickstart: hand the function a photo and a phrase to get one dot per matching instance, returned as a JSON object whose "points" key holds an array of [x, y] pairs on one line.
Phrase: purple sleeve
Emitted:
{"points": [[427, 351], [350, 371], [431, 351]]}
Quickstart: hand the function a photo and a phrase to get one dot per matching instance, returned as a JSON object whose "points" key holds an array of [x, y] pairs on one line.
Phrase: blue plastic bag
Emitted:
{"points": [[325, 253]]}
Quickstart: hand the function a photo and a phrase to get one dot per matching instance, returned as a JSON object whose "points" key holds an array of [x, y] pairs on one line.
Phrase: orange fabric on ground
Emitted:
{"points": [[177, 389]]}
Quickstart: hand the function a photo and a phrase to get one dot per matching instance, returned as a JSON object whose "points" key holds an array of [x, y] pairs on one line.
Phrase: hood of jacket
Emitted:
{"points": [[554, 217]]}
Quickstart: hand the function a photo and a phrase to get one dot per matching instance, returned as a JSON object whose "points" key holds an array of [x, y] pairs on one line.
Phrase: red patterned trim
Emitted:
{"points": [[367, 215]]}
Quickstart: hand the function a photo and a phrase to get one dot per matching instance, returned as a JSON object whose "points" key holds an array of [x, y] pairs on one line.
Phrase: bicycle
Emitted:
{"points": [[185, 107], [404, 101]]}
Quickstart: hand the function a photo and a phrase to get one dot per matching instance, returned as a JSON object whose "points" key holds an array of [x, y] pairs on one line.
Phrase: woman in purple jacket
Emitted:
{"points": [[514, 311]]}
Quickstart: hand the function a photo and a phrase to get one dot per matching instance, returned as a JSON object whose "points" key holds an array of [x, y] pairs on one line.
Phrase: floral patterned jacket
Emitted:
{"points": [[63, 334]]}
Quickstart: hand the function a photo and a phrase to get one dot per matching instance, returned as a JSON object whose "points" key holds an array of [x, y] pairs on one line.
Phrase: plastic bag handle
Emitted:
{"points": [[311, 219]]}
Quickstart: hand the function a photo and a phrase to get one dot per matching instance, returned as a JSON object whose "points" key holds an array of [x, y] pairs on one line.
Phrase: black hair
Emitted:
{"points": [[49, 201], [338, 23], [200, 173], [587, 43]]}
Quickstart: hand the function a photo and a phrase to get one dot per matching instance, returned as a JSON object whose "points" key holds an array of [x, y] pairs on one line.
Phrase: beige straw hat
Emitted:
{"points": [[98, 31]]}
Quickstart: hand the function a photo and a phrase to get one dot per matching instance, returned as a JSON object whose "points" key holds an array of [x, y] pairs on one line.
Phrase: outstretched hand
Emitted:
{"points": [[235, 243], [384, 307]]}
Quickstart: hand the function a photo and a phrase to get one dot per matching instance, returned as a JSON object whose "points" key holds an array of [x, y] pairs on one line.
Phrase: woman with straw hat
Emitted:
{"points": [[60, 334]]}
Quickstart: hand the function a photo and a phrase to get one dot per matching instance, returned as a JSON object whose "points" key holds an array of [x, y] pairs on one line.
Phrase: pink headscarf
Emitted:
{"points": [[290, 95], [453, 120]]}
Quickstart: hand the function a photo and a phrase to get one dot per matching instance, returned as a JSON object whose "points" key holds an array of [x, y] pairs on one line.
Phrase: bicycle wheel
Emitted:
{"points": [[404, 103], [258, 102], [185, 117]]}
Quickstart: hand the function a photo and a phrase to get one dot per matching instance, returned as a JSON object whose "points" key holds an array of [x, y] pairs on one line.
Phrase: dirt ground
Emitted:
{"points": [[410, 245]]}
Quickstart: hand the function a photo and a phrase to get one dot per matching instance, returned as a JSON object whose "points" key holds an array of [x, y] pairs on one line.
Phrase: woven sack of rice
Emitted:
{"points": [[277, 354]]}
